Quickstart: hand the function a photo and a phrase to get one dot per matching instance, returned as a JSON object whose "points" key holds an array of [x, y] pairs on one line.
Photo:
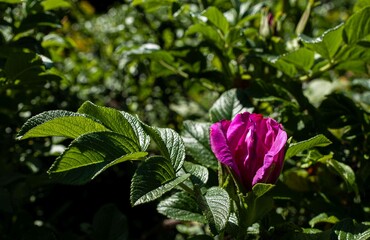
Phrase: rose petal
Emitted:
{"points": [[273, 160], [219, 144]]}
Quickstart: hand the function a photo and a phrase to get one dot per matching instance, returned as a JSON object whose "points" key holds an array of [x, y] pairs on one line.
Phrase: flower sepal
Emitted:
{"points": [[254, 205]]}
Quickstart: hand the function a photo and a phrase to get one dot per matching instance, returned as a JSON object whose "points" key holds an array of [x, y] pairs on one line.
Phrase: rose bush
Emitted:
{"points": [[252, 146]]}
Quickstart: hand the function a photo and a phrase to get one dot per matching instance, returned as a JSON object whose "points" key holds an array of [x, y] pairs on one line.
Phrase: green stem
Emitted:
{"points": [[187, 189]]}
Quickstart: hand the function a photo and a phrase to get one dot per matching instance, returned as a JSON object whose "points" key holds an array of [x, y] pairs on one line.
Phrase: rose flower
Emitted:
{"points": [[252, 146]]}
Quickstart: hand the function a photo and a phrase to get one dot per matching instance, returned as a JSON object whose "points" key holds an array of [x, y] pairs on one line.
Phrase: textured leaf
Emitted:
{"points": [[317, 141], [143, 138], [152, 179], [182, 207], [215, 206], [327, 44], [357, 26], [348, 229], [59, 123], [169, 143], [219, 205], [89, 154], [217, 18], [228, 105], [199, 174], [109, 224], [111, 118], [196, 140]]}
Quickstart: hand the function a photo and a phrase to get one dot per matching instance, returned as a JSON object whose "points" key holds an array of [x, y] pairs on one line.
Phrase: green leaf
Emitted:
{"points": [[289, 63], [327, 44], [317, 141], [208, 33], [349, 229], [360, 4], [323, 218], [353, 53], [109, 224], [111, 118], [215, 205], [229, 104], [151, 51], [217, 18], [219, 205], [142, 137], [357, 26], [89, 154], [129, 156], [55, 4], [152, 179], [345, 172], [181, 206], [152, 5], [59, 123], [196, 140], [261, 189], [11, 1], [169, 143], [199, 174]]}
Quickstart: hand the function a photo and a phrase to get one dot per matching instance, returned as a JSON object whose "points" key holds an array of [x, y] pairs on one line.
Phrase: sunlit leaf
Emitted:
{"points": [[215, 205], [59, 123], [169, 143], [327, 44], [290, 63], [11, 1], [216, 17], [55, 4], [323, 218], [199, 173], [110, 117], [317, 141]]}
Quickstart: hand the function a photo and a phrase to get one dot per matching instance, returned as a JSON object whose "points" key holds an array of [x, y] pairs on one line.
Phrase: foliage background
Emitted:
{"points": [[163, 62]]}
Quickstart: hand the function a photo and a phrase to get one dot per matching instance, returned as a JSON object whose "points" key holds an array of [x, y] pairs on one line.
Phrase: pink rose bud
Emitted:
{"points": [[252, 146]]}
